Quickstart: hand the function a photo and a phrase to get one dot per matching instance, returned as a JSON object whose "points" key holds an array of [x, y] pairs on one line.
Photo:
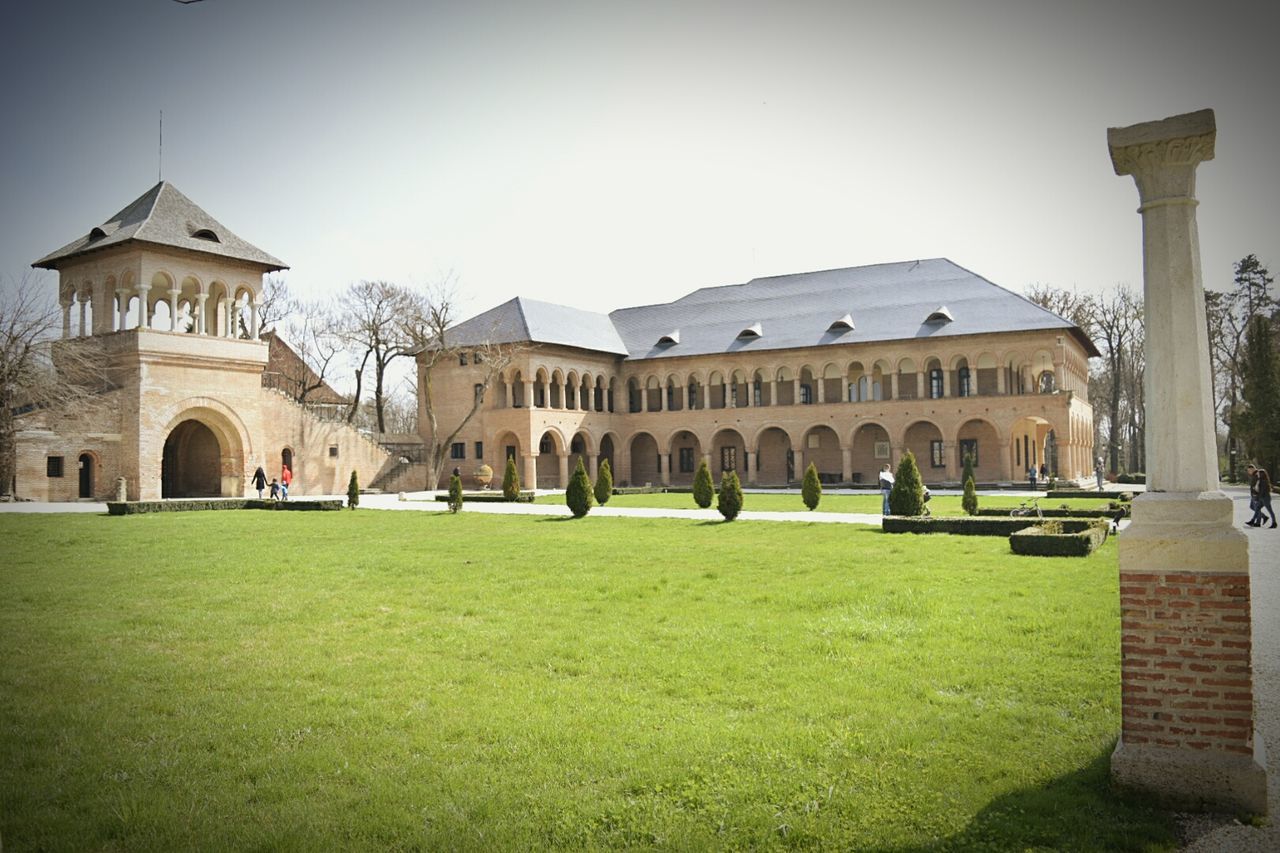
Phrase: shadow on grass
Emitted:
{"points": [[1079, 811]]}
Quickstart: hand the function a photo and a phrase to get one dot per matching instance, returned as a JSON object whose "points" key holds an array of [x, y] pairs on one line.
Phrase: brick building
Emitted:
{"points": [[844, 368], [173, 296]]}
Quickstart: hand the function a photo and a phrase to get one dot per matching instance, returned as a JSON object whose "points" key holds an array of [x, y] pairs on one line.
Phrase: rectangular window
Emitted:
{"points": [[511, 451], [479, 449], [969, 447], [966, 380], [686, 460], [462, 359], [477, 358], [478, 390], [458, 450], [53, 466], [333, 451], [882, 450], [935, 383], [937, 457], [728, 459], [806, 395]]}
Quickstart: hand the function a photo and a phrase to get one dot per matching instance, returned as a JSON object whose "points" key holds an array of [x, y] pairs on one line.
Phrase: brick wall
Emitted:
{"points": [[1185, 650]]}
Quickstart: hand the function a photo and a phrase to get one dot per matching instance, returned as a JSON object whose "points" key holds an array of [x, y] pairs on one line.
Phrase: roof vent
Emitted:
{"points": [[752, 331], [96, 234], [205, 234], [670, 339], [844, 324], [940, 315]]}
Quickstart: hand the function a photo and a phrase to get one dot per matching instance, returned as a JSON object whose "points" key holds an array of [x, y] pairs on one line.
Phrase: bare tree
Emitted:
{"points": [[1070, 305], [1117, 320], [38, 372], [378, 318], [312, 338], [435, 347], [278, 303]]}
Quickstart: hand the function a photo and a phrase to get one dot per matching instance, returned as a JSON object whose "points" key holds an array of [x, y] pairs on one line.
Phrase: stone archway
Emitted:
{"points": [[192, 462]]}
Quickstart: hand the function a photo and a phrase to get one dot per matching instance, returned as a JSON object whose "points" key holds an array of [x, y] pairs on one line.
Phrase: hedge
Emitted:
{"points": [[488, 498], [1136, 478], [1056, 494], [964, 525], [200, 504], [1034, 542], [1122, 512]]}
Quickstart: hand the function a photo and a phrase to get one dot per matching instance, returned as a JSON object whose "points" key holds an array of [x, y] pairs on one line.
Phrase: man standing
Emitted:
{"points": [[886, 486], [1098, 472]]}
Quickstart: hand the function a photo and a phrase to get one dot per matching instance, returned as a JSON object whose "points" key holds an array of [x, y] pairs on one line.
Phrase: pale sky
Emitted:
{"points": [[607, 154]]}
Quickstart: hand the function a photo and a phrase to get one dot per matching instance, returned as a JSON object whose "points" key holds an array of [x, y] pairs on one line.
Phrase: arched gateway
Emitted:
{"points": [[203, 457]]}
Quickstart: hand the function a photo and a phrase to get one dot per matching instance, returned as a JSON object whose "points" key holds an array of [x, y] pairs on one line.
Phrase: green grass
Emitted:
{"points": [[417, 680], [870, 502]]}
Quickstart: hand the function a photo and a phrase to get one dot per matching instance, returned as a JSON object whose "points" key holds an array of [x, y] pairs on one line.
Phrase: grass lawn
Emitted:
{"points": [[419, 680], [863, 503]]}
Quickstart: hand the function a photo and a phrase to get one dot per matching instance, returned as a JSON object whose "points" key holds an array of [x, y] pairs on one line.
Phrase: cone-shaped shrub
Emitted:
{"points": [[353, 491], [578, 495], [703, 488], [511, 480], [907, 497], [811, 489], [970, 500], [604, 482], [730, 501], [455, 493]]}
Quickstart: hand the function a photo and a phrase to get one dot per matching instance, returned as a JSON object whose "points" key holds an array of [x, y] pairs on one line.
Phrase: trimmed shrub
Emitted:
{"points": [[604, 482], [510, 480], [353, 490], [811, 489], [455, 493], [1041, 541], [730, 501], [703, 488], [970, 500], [1060, 513], [970, 526], [1135, 478], [578, 495], [907, 496], [202, 504], [1087, 493], [489, 498]]}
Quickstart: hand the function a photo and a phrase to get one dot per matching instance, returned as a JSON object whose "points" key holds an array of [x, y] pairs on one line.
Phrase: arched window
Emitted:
{"points": [[965, 383], [1047, 382], [806, 394], [545, 445], [935, 383], [693, 394], [755, 393]]}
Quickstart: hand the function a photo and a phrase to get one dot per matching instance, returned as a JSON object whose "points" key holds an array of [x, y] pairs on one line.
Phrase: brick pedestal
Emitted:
{"points": [[1187, 731]]}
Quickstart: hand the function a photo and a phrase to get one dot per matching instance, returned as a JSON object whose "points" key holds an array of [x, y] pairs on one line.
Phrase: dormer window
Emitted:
{"points": [[755, 330], [939, 316], [670, 339], [96, 234], [844, 324], [205, 234]]}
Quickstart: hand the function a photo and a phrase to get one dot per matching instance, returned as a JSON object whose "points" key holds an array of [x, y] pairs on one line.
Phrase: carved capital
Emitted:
{"points": [[1162, 155]]}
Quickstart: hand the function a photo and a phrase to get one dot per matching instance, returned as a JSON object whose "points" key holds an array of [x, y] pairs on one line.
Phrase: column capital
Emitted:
{"points": [[1162, 155]]}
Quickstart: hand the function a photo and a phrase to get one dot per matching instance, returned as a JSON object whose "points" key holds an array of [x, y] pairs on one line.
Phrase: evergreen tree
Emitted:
{"points": [[811, 489], [703, 488], [578, 495], [970, 500], [1258, 421], [455, 493], [511, 480], [353, 490], [730, 501], [907, 497], [604, 482]]}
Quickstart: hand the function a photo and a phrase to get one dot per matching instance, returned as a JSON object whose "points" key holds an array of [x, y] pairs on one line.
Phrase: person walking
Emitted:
{"points": [[886, 486], [1260, 497], [259, 480], [1031, 477], [1099, 472], [286, 478]]}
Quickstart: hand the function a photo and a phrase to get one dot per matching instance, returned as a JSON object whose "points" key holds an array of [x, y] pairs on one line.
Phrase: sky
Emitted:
{"points": [[607, 154]]}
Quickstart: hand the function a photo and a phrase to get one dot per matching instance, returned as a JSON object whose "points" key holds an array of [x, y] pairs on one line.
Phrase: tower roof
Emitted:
{"points": [[163, 216]]}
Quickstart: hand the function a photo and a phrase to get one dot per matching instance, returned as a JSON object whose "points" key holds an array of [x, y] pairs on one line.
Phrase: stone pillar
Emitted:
{"points": [[946, 383], [144, 310], [253, 320], [797, 458], [122, 302], [1187, 728], [893, 385], [562, 459], [200, 327], [751, 466], [83, 299], [795, 391], [66, 320], [593, 466], [1001, 385], [822, 389], [920, 385], [664, 468], [846, 464], [530, 478]]}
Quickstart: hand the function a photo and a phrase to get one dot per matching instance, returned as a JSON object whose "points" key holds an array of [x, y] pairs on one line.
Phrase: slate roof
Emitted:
{"points": [[523, 319], [165, 217], [886, 302]]}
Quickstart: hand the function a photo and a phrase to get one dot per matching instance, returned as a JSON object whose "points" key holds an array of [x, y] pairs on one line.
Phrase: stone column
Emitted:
{"points": [[893, 385], [144, 310], [593, 466], [846, 464], [66, 320], [83, 299], [122, 302], [795, 391], [562, 459], [797, 458], [1187, 732], [253, 320], [530, 478], [1001, 385], [920, 395], [822, 389], [664, 468], [528, 395], [946, 382], [751, 466]]}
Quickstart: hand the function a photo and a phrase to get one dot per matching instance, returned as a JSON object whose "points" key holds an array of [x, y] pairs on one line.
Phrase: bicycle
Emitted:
{"points": [[1026, 508]]}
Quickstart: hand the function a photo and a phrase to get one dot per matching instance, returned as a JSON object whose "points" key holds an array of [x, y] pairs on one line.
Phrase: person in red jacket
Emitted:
{"points": [[286, 477]]}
